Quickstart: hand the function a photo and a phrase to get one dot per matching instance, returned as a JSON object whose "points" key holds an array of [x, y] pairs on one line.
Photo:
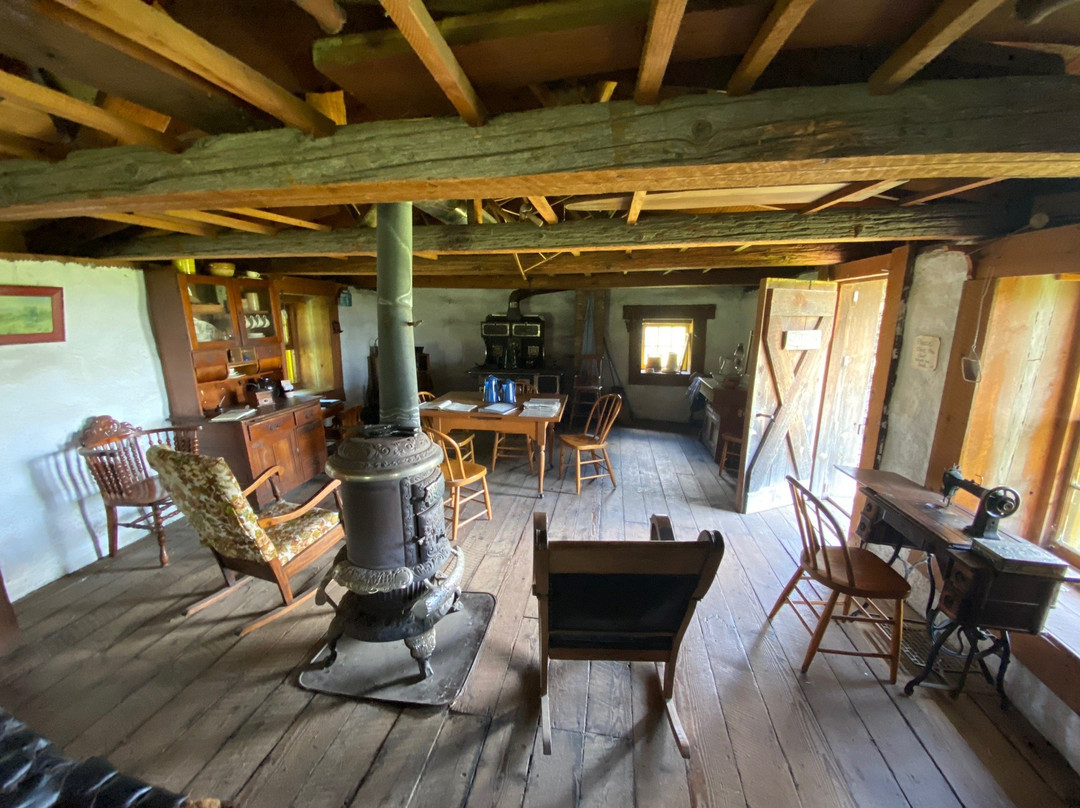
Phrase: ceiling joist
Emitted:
{"points": [[951, 20], [938, 129], [155, 30], [949, 189], [774, 32], [664, 21], [850, 192]]}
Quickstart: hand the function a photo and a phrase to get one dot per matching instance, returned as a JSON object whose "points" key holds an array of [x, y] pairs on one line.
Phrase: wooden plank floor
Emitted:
{"points": [[106, 666]]}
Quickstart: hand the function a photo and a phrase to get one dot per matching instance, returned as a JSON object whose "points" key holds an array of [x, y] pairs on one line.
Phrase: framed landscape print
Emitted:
{"points": [[31, 314]]}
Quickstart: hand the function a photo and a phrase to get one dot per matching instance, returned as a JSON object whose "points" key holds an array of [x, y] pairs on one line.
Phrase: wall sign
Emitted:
{"points": [[31, 314], [802, 340], [925, 355]]}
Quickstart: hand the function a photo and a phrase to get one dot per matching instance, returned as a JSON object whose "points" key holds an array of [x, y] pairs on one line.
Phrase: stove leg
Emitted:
{"points": [[422, 646], [333, 635]]}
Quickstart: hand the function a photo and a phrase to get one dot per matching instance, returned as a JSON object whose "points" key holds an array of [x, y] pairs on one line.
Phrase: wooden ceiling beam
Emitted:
{"points": [[154, 29], [664, 20], [54, 102], [949, 189], [416, 25], [774, 32], [848, 225], [951, 20], [636, 201], [30, 148], [851, 191], [590, 262]]}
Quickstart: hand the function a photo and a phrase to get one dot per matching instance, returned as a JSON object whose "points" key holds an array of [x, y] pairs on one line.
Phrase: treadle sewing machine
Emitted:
{"points": [[993, 582]]}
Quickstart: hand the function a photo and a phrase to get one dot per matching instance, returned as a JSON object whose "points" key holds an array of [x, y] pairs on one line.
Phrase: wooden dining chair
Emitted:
{"points": [[510, 445], [620, 600], [115, 453], [856, 573], [275, 544], [463, 439], [593, 440], [465, 480]]}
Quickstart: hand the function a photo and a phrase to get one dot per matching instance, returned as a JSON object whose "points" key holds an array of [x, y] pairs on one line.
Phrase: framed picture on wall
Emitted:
{"points": [[31, 314]]}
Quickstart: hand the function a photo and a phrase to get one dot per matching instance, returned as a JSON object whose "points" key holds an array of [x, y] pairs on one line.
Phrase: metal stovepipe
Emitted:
{"points": [[397, 355]]}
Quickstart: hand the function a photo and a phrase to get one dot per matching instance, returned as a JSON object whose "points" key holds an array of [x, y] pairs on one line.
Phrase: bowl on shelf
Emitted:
{"points": [[221, 269]]}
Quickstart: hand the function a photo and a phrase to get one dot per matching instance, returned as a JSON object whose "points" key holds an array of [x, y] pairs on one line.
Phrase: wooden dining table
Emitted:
{"points": [[515, 422]]}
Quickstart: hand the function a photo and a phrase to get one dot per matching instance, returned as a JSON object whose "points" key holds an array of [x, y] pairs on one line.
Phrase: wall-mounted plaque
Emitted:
{"points": [[802, 340], [925, 355]]}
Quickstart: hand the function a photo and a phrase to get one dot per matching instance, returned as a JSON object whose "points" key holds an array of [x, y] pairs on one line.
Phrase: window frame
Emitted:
{"points": [[637, 316]]}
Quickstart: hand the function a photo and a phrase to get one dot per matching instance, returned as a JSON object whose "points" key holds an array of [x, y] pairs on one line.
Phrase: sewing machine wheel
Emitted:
{"points": [[1002, 501]]}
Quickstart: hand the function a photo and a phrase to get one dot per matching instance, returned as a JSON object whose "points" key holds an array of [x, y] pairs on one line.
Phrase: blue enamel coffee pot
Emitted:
{"points": [[491, 390], [509, 392]]}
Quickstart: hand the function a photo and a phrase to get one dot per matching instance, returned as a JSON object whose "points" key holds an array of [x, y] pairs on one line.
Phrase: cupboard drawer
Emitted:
{"points": [[308, 414], [269, 427]]}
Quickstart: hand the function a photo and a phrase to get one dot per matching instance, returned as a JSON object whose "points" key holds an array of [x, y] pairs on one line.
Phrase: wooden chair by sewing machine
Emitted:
{"points": [[593, 440], [462, 478], [857, 574], [274, 545], [463, 439], [588, 385], [514, 445], [620, 600], [115, 453]]}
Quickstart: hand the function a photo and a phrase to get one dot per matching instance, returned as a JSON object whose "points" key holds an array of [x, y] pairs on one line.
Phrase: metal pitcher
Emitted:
{"points": [[509, 392], [491, 390]]}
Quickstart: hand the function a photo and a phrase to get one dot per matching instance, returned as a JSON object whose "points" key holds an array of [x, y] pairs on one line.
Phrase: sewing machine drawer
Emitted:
{"points": [[975, 592]]}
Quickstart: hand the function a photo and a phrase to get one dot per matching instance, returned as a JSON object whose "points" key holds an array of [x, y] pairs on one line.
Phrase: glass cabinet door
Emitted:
{"points": [[211, 311], [257, 311]]}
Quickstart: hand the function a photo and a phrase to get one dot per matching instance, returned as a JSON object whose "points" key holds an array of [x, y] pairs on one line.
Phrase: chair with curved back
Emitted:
{"points": [[115, 453], [588, 385], [461, 478], [510, 445], [274, 545], [593, 440], [856, 573], [463, 439]]}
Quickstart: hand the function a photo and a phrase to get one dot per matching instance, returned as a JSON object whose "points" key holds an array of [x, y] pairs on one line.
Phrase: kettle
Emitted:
{"points": [[509, 392], [491, 390]]}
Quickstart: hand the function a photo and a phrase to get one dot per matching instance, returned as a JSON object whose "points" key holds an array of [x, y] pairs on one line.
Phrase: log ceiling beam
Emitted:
{"points": [[664, 21], [54, 102], [155, 30], [772, 35], [588, 263], [850, 225], [951, 20], [719, 277], [419, 29], [1007, 127]]}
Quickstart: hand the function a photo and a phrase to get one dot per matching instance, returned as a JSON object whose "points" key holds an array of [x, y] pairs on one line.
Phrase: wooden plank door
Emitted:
{"points": [[794, 329], [852, 357]]}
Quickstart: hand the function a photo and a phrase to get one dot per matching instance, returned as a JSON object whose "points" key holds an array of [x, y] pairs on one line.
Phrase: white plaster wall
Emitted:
{"points": [[932, 304], [450, 332], [54, 522], [736, 308]]}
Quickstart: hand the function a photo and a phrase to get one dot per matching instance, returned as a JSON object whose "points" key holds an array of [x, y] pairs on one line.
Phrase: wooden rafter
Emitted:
{"points": [[774, 32], [949, 189], [157, 31], [555, 151], [847, 225], [720, 277], [270, 216], [416, 25], [543, 207], [30, 148], [229, 222], [635, 207], [851, 191], [159, 221], [951, 20], [54, 102], [664, 21]]}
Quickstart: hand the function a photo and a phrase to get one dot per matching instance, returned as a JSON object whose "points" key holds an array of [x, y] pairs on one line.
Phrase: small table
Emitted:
{"points": [[515, 422]]}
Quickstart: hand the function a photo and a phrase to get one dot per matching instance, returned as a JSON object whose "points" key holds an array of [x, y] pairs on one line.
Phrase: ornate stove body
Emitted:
{"points": [[401, 573]]}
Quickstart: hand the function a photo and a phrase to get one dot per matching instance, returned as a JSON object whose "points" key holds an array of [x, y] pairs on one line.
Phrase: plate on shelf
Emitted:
{"points": [[204, 331]]}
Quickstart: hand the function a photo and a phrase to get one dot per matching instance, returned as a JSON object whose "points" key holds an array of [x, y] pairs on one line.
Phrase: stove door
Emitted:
{"points": [[429, 528]]}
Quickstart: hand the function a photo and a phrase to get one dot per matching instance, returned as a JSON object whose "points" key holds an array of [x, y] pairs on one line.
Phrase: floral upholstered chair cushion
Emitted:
{"points": [[206, 491]]}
